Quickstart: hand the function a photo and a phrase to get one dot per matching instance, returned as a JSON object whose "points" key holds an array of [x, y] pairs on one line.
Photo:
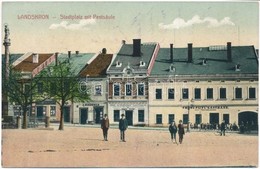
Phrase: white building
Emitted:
{"points": [[204, 85]]}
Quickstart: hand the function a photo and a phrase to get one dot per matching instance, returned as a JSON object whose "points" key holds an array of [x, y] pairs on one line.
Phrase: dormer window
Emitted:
{"points": [[237, 67], [142, 63], [172, 68], [118, 64], [204, 62]]}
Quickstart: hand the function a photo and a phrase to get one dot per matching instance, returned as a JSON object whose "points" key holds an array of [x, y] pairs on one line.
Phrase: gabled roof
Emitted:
{"points": [[77, 61], [98, 66], [216, 63], [27, 64], [125, 56]]}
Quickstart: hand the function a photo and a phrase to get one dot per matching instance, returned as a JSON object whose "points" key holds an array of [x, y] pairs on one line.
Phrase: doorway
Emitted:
{"points": [[98, 114], [248, 118], [129, 117], [214, 118], [66, 114], [83, 115]]}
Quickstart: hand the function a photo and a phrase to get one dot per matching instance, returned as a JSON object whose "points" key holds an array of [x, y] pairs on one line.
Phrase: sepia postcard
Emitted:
{"points": [[129, 84]]}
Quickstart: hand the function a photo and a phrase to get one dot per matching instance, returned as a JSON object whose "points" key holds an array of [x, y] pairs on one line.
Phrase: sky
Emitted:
{"points": [[73, 26]]}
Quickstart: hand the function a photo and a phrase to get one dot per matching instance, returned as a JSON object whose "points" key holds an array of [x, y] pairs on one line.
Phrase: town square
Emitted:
{"points": [[84, 147], [130, 84]]}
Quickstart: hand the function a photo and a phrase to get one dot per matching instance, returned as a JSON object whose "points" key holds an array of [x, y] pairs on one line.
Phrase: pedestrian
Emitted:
{"points": [[105, 126], [180, 131], [222, 128], [173, 131], [122, 127]]}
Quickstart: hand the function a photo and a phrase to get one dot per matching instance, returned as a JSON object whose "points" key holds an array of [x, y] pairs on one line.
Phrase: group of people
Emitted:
{"points": [[122, 127], [173, 128]]}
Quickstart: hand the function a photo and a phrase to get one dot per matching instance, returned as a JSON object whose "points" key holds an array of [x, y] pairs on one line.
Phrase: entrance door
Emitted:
{"points": [[198, 118], [66, 114], [98, 114], [214, 118], [39, 111], [129, 117], [226, 118], [83, 115], [248, 118]]}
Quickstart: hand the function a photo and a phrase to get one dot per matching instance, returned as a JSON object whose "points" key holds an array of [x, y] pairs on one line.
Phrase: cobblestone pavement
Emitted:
{"points": [[84, 147]]}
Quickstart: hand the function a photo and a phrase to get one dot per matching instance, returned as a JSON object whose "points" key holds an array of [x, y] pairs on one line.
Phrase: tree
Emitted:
{"points": [[20, 88], [61, 83]]}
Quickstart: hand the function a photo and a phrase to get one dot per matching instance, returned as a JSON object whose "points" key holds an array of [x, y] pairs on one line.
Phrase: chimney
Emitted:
{"points": [[123, 42], [229, 52], [69, 54], [189, 52], [35, 58], [77, 52], [171, 52], [136, 47], [56, 58]]}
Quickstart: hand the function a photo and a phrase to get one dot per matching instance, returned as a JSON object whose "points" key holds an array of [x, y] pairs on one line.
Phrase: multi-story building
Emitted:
{"points": [[128, 82], [204, 85], [94, 80], [49, 107]]}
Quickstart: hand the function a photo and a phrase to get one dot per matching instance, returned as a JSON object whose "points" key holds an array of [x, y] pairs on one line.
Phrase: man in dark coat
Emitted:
{"points": [[122, 127], [173, 131], [105, 126], [180, 131], [222, 128]]}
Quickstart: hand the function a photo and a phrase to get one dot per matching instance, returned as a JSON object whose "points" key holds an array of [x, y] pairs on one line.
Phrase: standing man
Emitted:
{"points": [[105, 126], [222, 128], [173, 131], [180, 131], [122, 127]]}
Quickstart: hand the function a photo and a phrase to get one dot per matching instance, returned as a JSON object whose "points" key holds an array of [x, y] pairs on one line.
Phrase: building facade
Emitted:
{"points": [[128, 82], [204, 85], [94, 80]]}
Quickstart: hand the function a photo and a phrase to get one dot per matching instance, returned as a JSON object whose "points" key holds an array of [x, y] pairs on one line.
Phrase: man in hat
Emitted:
{"points": [[222, 128], [105, 126], [122, 127], [180, 131]]}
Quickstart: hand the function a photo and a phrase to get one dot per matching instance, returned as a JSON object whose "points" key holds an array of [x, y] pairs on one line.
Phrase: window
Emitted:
{"points": [[128, 89], [222, 93], [40, 87], [171, 118], [140, 91], [185, 119], [98, 90], [53, 111], [158, 118], [140, 115], [185, 93], [252, 93], [197, 93], [238, 93], [209, 93], [116, 89], [171, 93], [158, 93], [116, 115]]}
